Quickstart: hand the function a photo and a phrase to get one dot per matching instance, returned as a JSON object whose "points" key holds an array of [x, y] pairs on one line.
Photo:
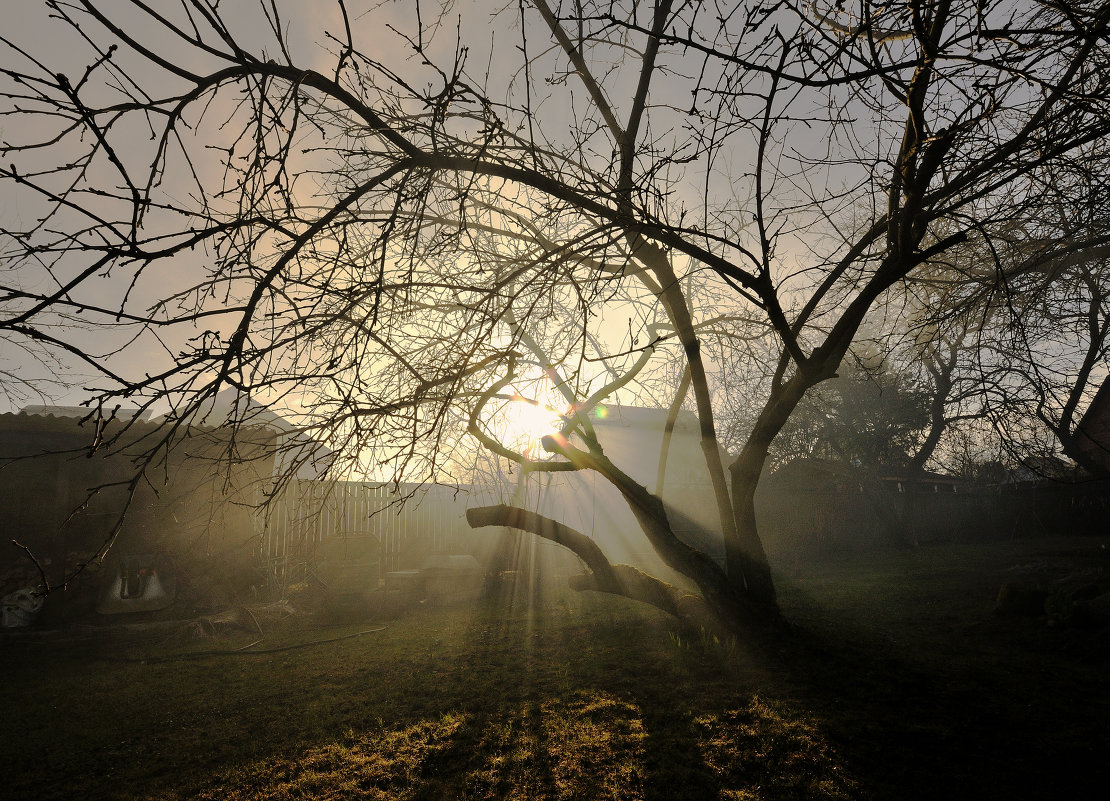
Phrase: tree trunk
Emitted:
{"points": [[745, 554], [679, 313], [716, 610]]}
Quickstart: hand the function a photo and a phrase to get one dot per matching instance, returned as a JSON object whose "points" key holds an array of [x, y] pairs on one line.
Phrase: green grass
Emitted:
{"points": [[895, 681]]}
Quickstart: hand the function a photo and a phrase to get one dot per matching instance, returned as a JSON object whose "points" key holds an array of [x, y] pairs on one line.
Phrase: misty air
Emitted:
{"points": [[446, 399]]}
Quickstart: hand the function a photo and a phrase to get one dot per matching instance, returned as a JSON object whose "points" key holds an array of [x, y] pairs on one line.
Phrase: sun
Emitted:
{"points": [[526, 422]]}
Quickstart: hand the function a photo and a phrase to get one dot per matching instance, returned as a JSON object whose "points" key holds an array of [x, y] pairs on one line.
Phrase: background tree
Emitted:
{"points": [[1011, 328], [1050, 354], [869, 417], [400, 235]]}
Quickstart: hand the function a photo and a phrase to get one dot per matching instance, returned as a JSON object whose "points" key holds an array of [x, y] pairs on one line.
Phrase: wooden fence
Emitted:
{"points": [[819, 522], [408, 522]]}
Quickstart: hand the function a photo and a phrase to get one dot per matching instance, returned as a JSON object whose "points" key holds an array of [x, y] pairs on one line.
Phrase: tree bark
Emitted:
{"points": [[625, 580], [747, 550], [679, 313]]}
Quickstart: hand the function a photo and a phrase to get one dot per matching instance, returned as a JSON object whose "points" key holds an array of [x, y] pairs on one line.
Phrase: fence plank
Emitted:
{"points": [[307, 513]]}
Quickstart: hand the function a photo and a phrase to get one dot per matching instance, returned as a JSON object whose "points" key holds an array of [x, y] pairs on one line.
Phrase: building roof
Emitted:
{"points": [[81, 412], [295, 451]]}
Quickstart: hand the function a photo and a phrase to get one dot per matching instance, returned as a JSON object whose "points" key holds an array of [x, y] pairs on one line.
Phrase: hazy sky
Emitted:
{"points": [[59, 47], [494, 61], [492, 57]]}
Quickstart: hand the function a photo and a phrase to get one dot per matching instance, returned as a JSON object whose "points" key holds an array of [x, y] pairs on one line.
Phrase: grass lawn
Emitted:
{"points": [[895, 681]]}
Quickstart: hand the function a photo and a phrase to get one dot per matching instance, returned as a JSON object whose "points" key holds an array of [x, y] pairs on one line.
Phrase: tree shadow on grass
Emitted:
{"points": [[618, 707], [975, 727], [589, 699], [600, 699]]}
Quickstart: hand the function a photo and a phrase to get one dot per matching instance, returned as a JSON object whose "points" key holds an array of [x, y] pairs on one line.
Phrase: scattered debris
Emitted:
{"points": [[20, 607]]}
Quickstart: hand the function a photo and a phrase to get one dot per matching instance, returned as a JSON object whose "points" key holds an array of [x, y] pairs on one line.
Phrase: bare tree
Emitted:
{"points": [[934, 325], [1012, 327], [403, 235], [1053, 350]]}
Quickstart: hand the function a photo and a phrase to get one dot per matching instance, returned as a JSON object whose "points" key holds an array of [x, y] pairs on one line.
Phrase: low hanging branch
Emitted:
{"points": [[625, 580], [553, 530], [650, 512]]}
